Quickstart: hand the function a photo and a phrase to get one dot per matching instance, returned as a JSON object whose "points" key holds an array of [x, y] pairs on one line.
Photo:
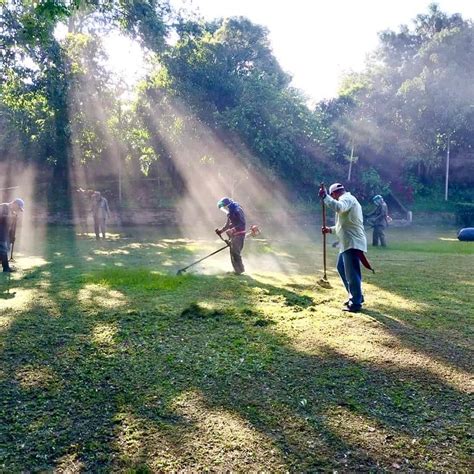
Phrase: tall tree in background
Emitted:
{"points": [[225, 75], [412, 103], [52, 90], [417, 96]]}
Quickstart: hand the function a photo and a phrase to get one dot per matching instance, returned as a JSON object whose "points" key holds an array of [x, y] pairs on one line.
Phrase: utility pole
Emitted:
{"points": [[350, 162], [352, 159], [447, 169], [120, 155]]}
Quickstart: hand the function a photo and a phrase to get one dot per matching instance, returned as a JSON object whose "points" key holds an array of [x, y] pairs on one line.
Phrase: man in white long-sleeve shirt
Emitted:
{"points": [[349, 229]]}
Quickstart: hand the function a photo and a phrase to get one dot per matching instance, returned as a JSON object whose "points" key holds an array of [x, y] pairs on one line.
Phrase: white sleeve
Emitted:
{"points": [[342, 205]]}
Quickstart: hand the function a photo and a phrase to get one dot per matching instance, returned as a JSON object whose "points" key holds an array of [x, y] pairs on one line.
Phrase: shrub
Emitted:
{"points": [[465, 214], [371, 184]]}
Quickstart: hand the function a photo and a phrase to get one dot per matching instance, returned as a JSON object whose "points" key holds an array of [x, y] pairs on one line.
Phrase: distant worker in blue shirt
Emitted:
{"points": [[235, 228], [379, 220]]}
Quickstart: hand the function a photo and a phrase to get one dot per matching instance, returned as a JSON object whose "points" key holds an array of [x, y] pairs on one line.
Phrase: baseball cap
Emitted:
{"points": [[20, 203], [336, 187]]}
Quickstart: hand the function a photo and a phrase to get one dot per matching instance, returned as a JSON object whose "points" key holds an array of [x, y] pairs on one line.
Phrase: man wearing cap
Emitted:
{"points": [[379, 220], [8, 215], [349, 229], [235, 228]]}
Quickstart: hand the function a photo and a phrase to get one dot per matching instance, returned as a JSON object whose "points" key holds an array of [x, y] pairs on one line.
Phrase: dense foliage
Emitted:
{"points": [[390, 128], [415, 101]]}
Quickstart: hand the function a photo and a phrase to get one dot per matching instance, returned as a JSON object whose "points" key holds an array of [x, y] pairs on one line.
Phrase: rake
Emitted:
{"points": [[324, 282]]}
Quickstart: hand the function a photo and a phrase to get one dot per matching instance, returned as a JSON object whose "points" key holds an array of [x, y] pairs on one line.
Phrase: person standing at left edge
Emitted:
{"points": [[8, 215], [349, 229], [235, 228]]}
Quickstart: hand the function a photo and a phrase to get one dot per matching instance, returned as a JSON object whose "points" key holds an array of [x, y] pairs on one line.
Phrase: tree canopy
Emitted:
{"points": [[61, 109]]}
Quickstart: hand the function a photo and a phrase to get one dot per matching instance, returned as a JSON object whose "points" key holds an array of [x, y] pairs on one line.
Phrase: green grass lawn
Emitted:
{"points": [[111, 362]]}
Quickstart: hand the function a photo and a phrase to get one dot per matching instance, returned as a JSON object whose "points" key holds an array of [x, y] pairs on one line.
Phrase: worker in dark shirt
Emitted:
{"points": [[379, 220], [235, 229], [8, 215], [100, 212]]}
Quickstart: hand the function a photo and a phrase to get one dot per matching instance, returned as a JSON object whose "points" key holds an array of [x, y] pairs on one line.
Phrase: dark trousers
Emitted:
{"points": [[236, 246], [99, 226], [4, 256], [379, 235], [4, 259], [348, 267], [4, 248]]}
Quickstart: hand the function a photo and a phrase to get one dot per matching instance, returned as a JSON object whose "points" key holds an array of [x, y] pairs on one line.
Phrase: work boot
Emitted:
{"points": [[4, 260], [352, 308], [9, 270], [349, 302]]}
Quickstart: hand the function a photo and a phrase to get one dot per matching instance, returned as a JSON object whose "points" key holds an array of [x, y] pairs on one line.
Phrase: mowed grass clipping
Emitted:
{"points": [[112, 362]]}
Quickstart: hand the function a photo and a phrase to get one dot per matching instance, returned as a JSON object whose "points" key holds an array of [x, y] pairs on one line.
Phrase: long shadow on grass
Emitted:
{"points": [[114, 388], [435, 345], [6, 292], [440, 323]]}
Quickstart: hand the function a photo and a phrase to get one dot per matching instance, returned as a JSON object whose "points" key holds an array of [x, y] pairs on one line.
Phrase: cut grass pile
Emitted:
{"points": [[110, 362]]}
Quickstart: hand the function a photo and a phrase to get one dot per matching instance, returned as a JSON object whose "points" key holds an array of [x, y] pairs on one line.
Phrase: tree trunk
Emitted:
{"points": [[119, 149]]}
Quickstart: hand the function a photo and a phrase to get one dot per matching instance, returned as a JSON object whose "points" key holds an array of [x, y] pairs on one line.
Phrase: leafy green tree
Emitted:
{"points": [[224, 76], [56, 96], [415, 97]]}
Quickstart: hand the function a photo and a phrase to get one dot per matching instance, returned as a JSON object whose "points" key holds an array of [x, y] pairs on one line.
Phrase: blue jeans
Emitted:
{"points": [[348, 266]]}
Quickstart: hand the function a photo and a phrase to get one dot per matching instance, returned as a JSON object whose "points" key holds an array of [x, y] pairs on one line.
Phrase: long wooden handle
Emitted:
{"points": [[324, 238]]}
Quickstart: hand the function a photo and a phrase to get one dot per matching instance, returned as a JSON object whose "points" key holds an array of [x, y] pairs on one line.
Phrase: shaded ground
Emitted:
{"points": [[109, 361]]}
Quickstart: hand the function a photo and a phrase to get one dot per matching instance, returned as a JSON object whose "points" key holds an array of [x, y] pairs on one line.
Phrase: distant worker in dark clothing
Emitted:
{"points": [[100, 212], [83, 205], [379, 220], [235, 228], [8, 216]]}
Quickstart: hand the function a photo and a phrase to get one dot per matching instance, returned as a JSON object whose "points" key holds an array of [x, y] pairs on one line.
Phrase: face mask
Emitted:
{"points": [[224, 209]]}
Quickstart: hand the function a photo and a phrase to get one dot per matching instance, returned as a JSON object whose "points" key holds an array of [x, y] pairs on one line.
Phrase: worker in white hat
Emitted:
{"points": [[349, 229]]}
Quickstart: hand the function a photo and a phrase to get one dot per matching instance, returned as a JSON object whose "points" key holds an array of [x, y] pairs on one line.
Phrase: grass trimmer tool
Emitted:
{"points": [[324, 282], [253, 232]]}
